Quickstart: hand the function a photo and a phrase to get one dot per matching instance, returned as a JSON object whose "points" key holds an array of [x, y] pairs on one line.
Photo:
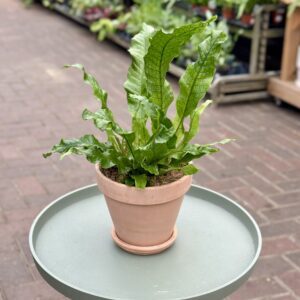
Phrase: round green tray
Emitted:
{"points": [[218, 245]]}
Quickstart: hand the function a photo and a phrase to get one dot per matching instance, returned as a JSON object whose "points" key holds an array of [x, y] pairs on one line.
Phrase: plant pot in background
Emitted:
{"points": [[200, 9], [144, 219], [247, 19], [196, 9], [92, 14], [278, 17], [228, 13]]}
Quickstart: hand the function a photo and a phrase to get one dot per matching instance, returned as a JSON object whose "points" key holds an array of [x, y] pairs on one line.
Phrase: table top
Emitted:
{"points": [[218, 245]]}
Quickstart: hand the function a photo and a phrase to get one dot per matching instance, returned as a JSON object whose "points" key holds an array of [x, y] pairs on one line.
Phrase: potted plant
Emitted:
{"points": [[199, 6], [247, 7], [245, 12], [226, 58], [87, 9], [145, 172], [152, 12], [93, 10], [228, 9]]}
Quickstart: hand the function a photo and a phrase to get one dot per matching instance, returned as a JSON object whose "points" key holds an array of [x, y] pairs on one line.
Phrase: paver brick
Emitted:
{"points": [[261, 288], [225, 184], [292, 279], [282, 213], [271, 266], [10, 152], [290, 185], [279, 246], [29, 186], [14, 271], [280, 228], [295, 258], [286, 198], [262, 184], [285, 297], [10, 198], [254, 199], [32, 291]]}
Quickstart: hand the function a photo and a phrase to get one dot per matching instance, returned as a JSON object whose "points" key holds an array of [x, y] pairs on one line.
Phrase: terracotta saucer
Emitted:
{"points": [[147, 250]]}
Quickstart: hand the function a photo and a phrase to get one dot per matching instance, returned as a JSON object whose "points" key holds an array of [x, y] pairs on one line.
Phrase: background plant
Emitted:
{"points": [[292, 7], [79, 6], [106, 27], [199, 2], [28, 2], [190, 51], [159, 14], [147, 151], [229, 3], [247, 6]]}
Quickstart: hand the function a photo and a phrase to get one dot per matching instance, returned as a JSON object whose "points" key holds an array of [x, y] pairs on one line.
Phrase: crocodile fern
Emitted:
{"points": [[156, 144]]}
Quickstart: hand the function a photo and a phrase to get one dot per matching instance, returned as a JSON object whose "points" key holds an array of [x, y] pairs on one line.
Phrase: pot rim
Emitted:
{"points": [[149, 188]]}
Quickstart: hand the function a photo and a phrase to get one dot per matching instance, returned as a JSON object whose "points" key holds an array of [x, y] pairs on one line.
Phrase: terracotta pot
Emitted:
{"points": [[247, 19], [278, 16], [203, 9], [144, 219], [92, 14], [227, 13]]}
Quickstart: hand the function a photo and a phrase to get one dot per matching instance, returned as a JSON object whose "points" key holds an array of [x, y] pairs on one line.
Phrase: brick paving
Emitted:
{"points": [[40, 103]]}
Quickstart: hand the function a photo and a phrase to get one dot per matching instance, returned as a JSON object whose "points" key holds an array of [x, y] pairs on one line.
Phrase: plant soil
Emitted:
{"points": [[112, 173]]}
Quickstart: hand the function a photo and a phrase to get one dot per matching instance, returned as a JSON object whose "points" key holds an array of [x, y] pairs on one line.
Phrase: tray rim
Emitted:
{"points": [[240, 278]]}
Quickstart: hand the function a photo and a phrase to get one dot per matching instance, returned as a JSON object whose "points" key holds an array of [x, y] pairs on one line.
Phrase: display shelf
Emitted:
{"points": [[287, 91], [251, 86], [270, 33], [285, 87], [225, 87], [238, 88], [258, 33], [119, 41], [65, 10], [241, 87]]}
